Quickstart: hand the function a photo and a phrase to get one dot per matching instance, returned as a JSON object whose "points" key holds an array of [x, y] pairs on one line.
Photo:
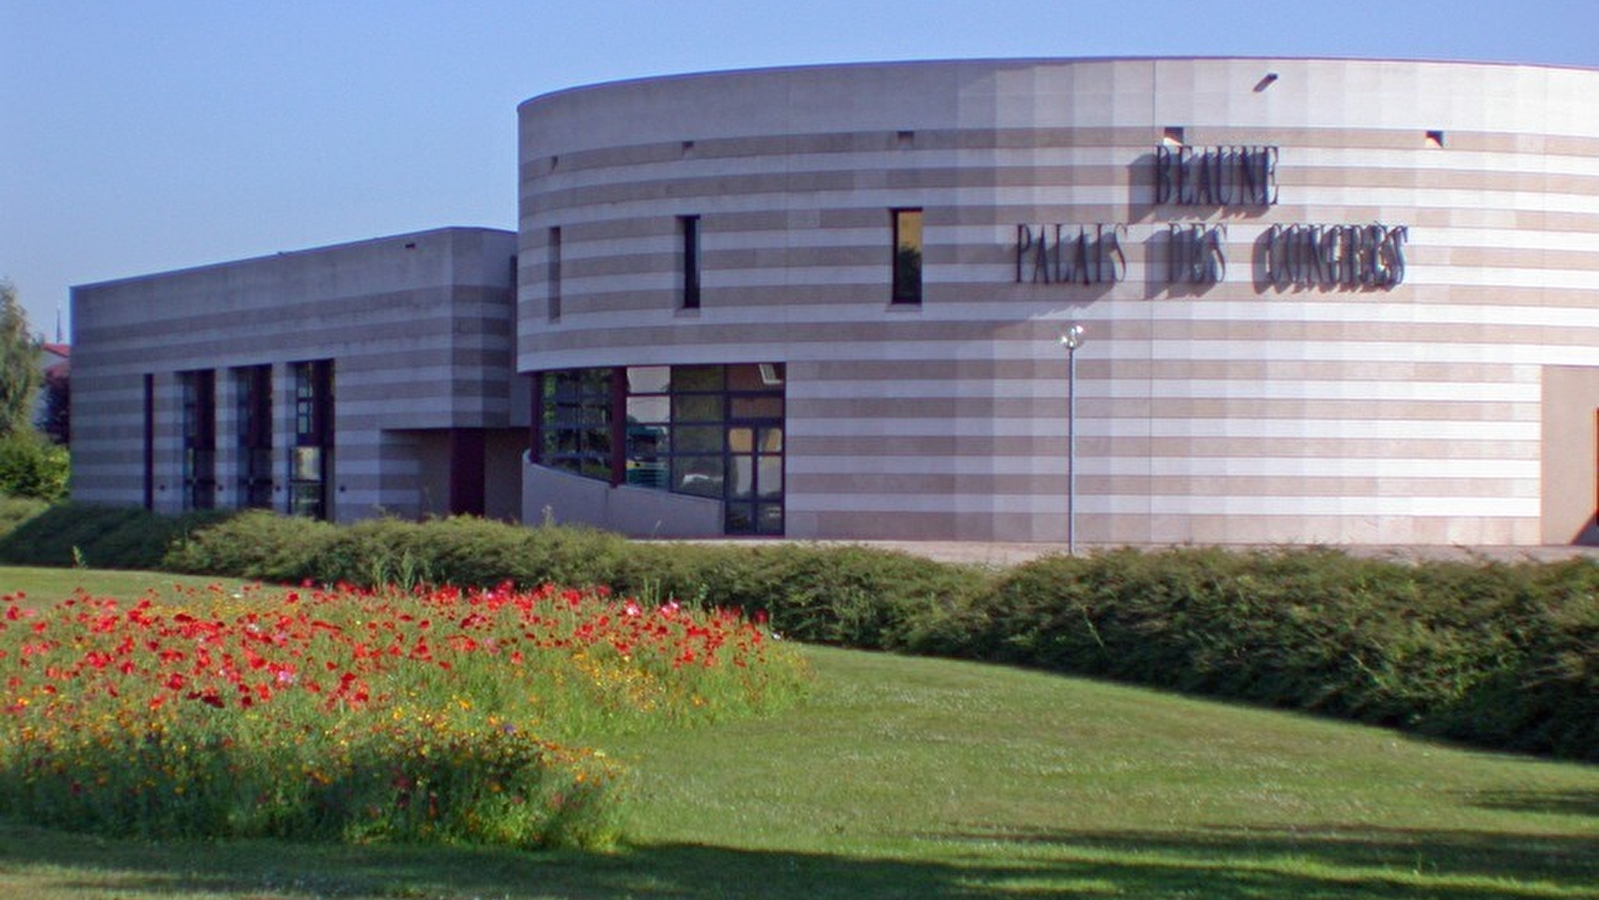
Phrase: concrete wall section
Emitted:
{"points": [[561, 497]]}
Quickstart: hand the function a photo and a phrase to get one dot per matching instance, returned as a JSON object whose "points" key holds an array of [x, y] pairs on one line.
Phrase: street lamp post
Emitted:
{"points": [[1071, 339]]}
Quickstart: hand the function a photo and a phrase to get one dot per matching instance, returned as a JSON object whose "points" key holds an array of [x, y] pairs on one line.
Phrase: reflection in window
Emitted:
{"points": [[311, 462], [907, 256], [575, 421], [707, 431]]}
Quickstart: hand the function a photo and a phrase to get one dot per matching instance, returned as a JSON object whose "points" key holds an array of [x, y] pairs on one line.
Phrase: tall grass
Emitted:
{"points": [[437, 715]]}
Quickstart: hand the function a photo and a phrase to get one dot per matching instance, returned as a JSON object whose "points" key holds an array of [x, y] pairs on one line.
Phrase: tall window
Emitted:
{"points": [[907, 256], [311, 465], [689, 227], [149, 441], [553, 275], [199, 438], [253, 388], [574, 421]]}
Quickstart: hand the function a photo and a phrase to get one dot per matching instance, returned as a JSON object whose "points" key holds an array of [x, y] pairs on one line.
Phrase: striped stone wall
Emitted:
{"points": [[418, 326], [1239, 411]]}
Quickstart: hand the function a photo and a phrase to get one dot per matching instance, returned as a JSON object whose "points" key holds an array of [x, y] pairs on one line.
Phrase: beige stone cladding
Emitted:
{"points": [[1252, 397], [418, 329]]}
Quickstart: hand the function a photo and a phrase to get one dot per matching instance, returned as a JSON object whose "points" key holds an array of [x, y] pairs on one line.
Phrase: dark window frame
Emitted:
{"points": [[907, 255], [253, 387], [309, 491], [199, 430], [553, 275], [689, 231], [571, 407]]}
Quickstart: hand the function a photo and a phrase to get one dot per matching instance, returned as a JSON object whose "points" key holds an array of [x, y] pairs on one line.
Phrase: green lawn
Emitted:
{"points": [[923, 778]]}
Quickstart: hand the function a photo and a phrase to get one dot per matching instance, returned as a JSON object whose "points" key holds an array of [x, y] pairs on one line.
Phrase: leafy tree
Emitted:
{"points": [[19, 364]]}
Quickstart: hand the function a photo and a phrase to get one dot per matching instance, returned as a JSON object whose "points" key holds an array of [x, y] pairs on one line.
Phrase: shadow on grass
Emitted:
{"points": [[1224, 864], [1564, 803]]}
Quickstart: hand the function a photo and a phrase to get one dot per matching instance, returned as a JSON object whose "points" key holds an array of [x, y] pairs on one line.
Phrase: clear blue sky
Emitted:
{"points": [[148, 135]]}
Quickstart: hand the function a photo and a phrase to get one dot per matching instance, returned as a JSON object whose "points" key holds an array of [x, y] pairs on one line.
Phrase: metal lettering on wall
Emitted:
{"points": [[1351, 256], [1299, 255], [1216, 176], [1195, 254], [1061, 254]]}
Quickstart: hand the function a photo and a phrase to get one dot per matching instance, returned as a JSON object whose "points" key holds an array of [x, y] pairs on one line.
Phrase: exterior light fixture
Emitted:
{"points": [[1071, 339]]}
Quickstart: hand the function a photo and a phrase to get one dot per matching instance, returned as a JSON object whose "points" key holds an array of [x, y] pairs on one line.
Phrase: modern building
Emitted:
{"points": [[1332, 301], [340, 383]]}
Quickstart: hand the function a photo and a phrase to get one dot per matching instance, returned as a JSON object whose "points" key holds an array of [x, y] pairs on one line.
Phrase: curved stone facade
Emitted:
{"points": [[1323, 300]]}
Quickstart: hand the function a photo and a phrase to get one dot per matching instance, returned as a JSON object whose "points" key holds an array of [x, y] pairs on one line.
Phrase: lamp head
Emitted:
{"points": [[1072, 337]]}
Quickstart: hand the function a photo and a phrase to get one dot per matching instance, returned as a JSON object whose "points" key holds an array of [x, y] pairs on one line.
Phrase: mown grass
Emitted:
{"points": [[925, 778]]}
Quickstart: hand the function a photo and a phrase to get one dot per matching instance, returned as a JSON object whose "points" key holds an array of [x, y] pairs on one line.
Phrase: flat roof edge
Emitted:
{"points": [[301, 251], [1044, 60]]}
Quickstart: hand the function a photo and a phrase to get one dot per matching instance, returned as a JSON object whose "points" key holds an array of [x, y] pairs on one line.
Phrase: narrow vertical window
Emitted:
{"points": [[553, 267], [253, 390], [199, 438], [311, 465], [907, 256], [689, 226], [149, 441]]}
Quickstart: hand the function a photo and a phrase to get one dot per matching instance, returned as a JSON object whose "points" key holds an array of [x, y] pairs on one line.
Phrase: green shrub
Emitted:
{"points": [[1489, 652], [253, 544], [32, 466]]}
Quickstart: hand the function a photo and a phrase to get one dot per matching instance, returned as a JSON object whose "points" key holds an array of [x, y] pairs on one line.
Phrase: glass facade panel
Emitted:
{"points": [[307, 463], [756, 407], [697, 378], [770, 477], [698, 475], [740, 477], [311, 463], [649, 379], [575, 418], [649, 409], [707, 431], [253, 388], [697, 408], [755, 377], [199, 438], [697, 438]]}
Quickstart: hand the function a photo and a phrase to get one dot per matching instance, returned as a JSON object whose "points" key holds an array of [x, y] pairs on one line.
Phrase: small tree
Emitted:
{"points": [[31, 466], [19, 364]]}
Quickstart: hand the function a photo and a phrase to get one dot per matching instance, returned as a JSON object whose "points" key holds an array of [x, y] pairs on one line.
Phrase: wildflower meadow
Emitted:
{"points": [[437, 714]]}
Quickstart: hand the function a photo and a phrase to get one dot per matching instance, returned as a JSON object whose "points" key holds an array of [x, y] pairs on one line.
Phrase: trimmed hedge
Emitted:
{"points": [[1499, 654]]}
